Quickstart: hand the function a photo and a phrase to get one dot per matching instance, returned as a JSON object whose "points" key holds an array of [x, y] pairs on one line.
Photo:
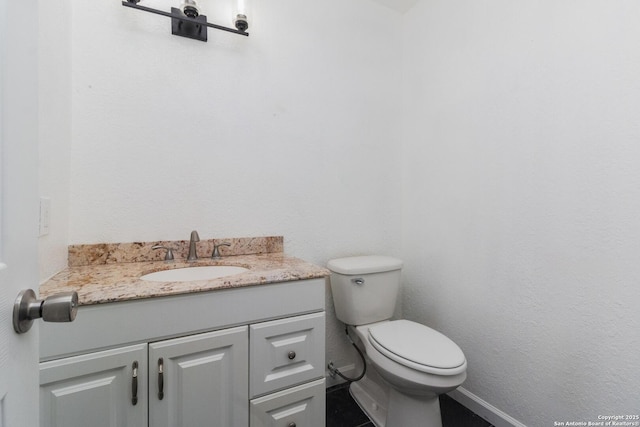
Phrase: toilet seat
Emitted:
{"points": [[418, 347]]}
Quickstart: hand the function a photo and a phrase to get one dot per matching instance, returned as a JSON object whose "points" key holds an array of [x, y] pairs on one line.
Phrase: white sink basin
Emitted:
{"points": [[190, 274]]}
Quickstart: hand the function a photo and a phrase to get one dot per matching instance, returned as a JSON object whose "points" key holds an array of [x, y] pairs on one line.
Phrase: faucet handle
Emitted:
{"points": [[216, 252], [169, 254], [194, 236]]}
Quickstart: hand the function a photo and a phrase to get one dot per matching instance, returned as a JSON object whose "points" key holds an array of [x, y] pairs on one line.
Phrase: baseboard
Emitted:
{"points": [[344, 370], [483, 409]]}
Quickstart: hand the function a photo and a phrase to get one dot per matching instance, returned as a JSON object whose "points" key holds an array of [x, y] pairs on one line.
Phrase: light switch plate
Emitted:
{"points": [[45, 215]]}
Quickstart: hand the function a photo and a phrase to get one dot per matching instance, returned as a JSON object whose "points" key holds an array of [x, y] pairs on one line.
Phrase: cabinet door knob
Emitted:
{"points": [[291, 356], [292, 425]]}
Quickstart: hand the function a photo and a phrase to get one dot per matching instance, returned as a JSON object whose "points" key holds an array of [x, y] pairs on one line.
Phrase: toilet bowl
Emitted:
{"points": [[414, 358], [415, 379], [413, 363]]}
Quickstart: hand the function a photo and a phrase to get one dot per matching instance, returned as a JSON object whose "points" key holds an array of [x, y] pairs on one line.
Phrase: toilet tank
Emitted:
{"points": [[364, 288]]}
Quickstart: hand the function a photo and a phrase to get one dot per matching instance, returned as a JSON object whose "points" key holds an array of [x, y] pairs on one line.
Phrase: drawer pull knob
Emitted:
{"points": [[292, 355], [292, 425]]}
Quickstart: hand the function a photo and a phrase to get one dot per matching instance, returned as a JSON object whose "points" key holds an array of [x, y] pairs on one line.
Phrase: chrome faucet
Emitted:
{"points": [[193, 253]]}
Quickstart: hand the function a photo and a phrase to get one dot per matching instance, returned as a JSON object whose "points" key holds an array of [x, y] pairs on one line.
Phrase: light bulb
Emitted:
{"points": [[241, 22], [241, 9], [190, 8]]}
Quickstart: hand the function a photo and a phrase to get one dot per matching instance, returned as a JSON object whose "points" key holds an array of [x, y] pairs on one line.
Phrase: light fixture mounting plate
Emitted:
{"points": [[180, 27]]}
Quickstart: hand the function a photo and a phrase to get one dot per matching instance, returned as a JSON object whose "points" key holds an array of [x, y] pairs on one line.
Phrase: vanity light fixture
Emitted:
{"points": [[187, 21]]}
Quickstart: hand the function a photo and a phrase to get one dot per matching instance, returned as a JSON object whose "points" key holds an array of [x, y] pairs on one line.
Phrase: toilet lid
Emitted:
{"points": [[416, 346]]}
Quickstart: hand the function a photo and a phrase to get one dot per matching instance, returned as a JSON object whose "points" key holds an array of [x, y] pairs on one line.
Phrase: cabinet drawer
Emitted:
{"points": [[286, 352], [301, 406]]}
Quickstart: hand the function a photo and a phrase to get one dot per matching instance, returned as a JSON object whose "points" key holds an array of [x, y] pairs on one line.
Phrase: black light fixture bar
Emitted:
{"points": [[183, 18]]}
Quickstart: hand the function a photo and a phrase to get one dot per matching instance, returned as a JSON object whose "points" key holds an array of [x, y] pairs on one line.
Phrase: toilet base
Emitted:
{"points": [[410, 411], [387, 407], [371, 399]]}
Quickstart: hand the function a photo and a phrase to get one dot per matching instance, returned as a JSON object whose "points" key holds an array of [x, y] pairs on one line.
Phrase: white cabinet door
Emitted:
{"points": [[301, 406], [286, 352], [95, 389], [204, 380]]}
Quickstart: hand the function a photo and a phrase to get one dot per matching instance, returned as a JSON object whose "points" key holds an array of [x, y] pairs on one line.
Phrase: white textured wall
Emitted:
{"points": [[54, 130], [520, 183], [292, 131], [521, 206]]}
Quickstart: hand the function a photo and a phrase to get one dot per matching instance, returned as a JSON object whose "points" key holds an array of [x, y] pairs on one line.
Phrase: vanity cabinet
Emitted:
{"points": [[196, 380], [242, 357]]}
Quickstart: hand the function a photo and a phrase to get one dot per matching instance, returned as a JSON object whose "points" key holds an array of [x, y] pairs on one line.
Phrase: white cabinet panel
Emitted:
{"points": [[286, 352], [162, 318], [301, 406], [95, 389], [204, 380], [207, 376]]}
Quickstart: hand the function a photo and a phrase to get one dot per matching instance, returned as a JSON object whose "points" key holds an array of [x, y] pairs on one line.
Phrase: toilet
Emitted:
{"points": [[412, 363]]}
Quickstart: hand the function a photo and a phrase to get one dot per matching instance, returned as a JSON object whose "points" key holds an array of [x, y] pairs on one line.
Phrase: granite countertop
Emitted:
{"points": [[99, 284]]}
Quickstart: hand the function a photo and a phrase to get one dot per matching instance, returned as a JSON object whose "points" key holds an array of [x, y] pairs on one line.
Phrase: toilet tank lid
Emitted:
{"points": [[364, 264]]}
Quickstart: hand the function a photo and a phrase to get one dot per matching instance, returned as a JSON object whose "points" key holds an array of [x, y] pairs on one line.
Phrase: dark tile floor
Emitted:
{"points": [[343, 411]]}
